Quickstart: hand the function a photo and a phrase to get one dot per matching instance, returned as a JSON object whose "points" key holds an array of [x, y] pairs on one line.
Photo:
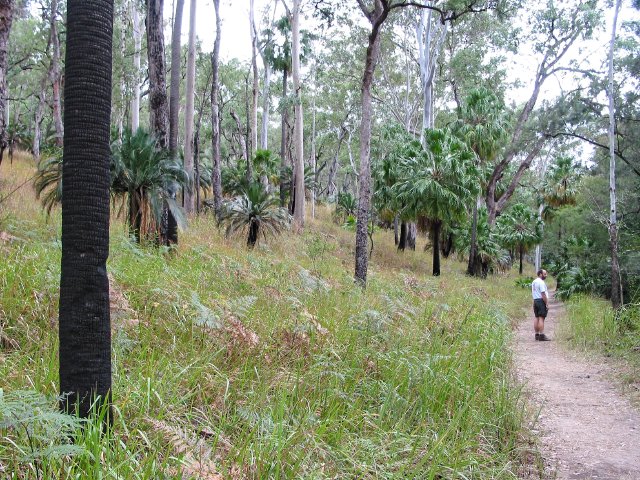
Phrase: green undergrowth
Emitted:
{"points": [[592, 326], [266, 364]]}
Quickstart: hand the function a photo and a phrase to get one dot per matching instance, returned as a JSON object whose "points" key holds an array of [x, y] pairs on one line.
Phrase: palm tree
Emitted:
{"points": [[560, 186], [144, 176], [253, 213], [520, 228], [483, 125], [436, 182], [84, 324]]}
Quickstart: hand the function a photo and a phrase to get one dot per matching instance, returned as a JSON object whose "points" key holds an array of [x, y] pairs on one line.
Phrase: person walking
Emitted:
{"points": [[540, 305]]}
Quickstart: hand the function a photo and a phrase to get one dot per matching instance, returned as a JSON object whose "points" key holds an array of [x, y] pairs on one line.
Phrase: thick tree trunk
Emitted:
{"points": [[6, 18], [402, 241], [299, 213], [158, 104], [253, 234], [376, 18], [412, 235], [283, 140], [435, 238], [617, 297], [216, 183], [188, 120], [137, 44], [174, 88], [56, 76], [84, 325]]}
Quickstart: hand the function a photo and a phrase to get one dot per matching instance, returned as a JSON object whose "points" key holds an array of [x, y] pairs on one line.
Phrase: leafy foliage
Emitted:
{"points": [[147, 178], [48, 180], [253, 213]]}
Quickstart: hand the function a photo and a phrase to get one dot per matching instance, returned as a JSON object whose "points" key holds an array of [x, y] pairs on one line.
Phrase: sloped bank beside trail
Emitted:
{"points": [[585, 427]]}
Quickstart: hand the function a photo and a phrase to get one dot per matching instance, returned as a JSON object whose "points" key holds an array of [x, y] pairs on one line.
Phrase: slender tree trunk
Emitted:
{"points": [[283, 141], [84, 324], [191, 81], [435, 232], [472, 266], [395, 230], [538, 265], [174, 88], [123, 89], [56, 75], [253, 136], [617, 297], [313, 158], [137, 43], [215, 116], [521, 255], [6, 18], [299, 213], [264, 134], [39, 116], [376, 18]]}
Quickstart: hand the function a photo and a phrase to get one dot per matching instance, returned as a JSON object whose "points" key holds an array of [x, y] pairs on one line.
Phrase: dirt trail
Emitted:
{"points": [[586, 428]]}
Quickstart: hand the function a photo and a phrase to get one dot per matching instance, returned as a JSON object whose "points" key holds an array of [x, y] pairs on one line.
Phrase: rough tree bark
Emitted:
{"points": [[6, 18], [84, 324], [158, 102], [376, 18]]}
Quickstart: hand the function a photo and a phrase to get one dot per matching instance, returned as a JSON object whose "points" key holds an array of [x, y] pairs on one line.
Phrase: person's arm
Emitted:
{"points": [[545, 298]]}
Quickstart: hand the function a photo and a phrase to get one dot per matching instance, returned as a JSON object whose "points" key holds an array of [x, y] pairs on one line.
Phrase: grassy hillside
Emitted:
{"points": [[264, 364]]}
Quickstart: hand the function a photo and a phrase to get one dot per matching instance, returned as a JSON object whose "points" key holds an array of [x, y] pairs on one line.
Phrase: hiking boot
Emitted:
{"points": [[537, 336], [541, 337]]}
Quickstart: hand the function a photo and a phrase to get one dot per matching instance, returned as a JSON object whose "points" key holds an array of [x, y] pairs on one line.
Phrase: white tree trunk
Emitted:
{"points": [[299, 213], [616, 282], [191, 76], [253, 137]]}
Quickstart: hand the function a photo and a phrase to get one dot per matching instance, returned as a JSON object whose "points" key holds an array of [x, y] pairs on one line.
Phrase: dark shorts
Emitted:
{"points": [[539, 308]]}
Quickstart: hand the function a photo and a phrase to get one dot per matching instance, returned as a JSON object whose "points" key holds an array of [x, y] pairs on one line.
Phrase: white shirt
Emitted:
{"points": [[538, 287]]}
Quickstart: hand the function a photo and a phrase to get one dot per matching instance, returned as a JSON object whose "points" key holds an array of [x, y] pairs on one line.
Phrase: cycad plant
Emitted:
{"points": [[48, 180], [346, 206], [520, 228], [142, 175], [253, 213]]}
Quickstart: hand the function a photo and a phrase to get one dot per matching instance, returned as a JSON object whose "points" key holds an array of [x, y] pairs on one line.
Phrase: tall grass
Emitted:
{"points": [[272, 363]]}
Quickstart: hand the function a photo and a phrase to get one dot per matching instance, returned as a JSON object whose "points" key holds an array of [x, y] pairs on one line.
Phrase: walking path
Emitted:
{"points": [[586, 429]]}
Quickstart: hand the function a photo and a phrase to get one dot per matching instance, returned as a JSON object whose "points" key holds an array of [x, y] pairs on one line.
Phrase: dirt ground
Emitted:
{"points": [[585, 428]]}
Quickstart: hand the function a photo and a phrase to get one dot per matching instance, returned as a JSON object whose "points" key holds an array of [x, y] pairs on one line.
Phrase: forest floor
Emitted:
{"points": [[586, 428]]}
